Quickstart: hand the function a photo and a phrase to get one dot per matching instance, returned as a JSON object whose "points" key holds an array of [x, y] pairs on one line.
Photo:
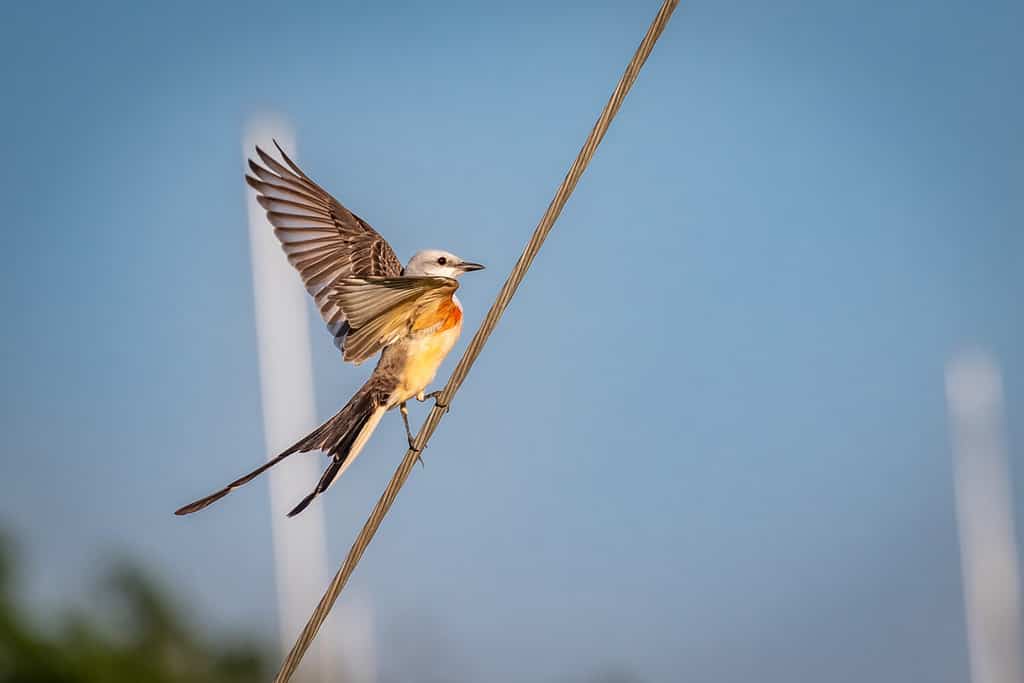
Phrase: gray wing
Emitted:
{"points": [[383, 310], [323, 240]]}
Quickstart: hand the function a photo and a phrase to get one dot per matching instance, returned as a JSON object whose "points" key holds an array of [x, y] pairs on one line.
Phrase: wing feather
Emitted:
{"points": [[382, 310], [324, 241]]}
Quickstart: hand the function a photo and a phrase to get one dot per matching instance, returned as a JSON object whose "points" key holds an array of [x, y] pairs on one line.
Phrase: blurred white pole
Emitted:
{"points": [[988, 550], [286, 383]]}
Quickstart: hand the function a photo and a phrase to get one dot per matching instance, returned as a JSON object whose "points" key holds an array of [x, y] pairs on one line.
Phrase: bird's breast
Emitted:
{"points": [[425, 351], [443, 317]]}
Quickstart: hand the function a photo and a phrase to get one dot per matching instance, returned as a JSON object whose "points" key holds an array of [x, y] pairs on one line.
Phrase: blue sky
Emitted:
{"points": [[708, 438]]}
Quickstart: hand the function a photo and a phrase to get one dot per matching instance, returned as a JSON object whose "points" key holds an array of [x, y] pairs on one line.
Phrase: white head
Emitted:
{"points": [[435, 262]]}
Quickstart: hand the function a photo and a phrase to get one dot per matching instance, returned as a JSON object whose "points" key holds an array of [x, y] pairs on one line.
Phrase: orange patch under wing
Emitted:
{"points": [[444, 315]]}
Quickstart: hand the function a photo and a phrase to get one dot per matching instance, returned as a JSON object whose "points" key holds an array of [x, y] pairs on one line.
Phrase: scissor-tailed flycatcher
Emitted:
{"points": [[370, 304]]}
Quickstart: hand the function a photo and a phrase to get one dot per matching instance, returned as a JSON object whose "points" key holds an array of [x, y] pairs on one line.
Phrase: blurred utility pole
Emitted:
{"points": [[984, 506], [286, 384]]}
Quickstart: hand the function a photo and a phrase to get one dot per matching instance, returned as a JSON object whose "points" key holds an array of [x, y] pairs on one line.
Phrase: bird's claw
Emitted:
{"points": [[417, 451], [436, 395]]}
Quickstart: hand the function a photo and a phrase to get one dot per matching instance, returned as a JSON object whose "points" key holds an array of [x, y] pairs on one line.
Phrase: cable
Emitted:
{"points": [[476, 345]]}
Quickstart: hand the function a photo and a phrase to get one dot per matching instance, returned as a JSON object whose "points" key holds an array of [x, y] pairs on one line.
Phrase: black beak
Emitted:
{"points": [[467, 266]]}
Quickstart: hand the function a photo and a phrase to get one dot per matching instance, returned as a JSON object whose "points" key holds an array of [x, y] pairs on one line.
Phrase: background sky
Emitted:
{"points": [[707, 441]]}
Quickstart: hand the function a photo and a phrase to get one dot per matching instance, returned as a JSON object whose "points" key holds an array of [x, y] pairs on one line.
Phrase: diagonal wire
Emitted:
{"points": [[355, 553]]}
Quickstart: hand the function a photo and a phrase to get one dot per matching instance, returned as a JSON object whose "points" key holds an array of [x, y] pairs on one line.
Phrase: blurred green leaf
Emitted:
{"points": [[152, 643]]}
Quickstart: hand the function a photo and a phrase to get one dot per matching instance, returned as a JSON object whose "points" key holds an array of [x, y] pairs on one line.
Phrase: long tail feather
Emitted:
{"points": [[347, 451], [214, 497], [335, 437], [325, 481]]}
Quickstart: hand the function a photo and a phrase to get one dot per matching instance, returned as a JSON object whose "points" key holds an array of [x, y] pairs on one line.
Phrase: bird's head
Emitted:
{"points": [[437, 263]]}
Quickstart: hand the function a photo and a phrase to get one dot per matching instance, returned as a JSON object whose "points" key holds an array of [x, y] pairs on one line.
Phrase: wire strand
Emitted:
{"points": [[476, 345]]}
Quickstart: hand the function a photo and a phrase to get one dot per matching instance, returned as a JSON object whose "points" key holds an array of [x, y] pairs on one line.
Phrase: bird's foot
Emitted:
{"points": [[408, 434], [417, 451], [436, 395]]}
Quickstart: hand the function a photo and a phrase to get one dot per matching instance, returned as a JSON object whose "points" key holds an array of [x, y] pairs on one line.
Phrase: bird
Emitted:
{"points": [[371, 305]]}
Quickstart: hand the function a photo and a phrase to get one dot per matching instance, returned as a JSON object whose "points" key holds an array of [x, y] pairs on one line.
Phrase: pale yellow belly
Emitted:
{"points": [[425, 356]]}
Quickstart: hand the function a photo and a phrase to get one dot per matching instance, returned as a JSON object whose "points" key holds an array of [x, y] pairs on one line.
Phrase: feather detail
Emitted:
{"points": [[323, 240], [380, 311]]}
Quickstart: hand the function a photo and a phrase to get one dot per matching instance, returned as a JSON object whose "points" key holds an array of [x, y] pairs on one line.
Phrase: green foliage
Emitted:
{"points": [[154, 644]]}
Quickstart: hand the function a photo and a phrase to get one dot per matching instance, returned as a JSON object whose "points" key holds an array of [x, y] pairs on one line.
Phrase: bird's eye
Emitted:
{"points": [[441, 261]]}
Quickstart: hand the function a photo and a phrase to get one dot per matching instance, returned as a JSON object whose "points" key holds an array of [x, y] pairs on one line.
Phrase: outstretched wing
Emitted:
{"points": [[382, 310], [323, 240]]}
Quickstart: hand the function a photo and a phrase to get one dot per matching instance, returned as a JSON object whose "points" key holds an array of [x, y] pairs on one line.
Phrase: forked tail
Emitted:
{"points": [[341, 437]]}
